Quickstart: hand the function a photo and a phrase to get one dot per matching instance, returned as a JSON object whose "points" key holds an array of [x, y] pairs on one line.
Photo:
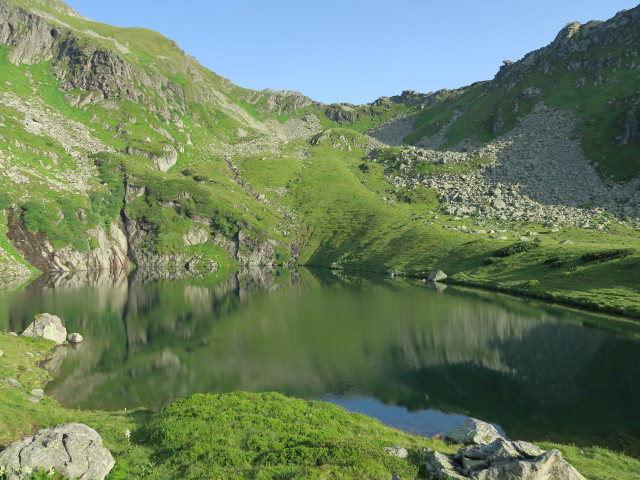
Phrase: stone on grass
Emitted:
{"points": [[473, 432], [397, 451], [74, 338], [37, 392], [47, 326], [1, 353], [12, 382], [436, 276], [566, 242], [73, 450], [34, 399]]}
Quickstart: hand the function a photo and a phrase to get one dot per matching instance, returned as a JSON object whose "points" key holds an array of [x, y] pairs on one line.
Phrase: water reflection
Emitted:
{"points": [[377, 345]]}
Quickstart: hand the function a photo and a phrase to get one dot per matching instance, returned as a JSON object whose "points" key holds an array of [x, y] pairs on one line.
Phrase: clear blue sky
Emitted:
{"points": [[353, 50]]}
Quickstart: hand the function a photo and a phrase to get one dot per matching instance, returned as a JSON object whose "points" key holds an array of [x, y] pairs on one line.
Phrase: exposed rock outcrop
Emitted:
{"points": [[33, 42], [110, 252], [489, 456]]}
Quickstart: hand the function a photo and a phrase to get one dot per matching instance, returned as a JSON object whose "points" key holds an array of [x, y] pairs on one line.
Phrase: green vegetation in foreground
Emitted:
{"points": [[240, 435]]}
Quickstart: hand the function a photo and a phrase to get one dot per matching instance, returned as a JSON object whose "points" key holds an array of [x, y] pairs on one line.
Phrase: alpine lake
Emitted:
{"points": [[419, 357]]}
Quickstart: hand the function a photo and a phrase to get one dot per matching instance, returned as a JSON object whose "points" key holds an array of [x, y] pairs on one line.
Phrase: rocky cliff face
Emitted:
{"points": [[110, 249], [30, 35], [574, 47]]}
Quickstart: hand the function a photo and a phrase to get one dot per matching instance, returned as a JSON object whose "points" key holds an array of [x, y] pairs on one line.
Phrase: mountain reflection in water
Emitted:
{"points": [[539, 371]]}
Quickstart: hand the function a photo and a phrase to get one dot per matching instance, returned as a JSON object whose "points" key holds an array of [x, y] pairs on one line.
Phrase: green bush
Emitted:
{"points": [[5, 200], [35, 216], [555, 262], [604, 255], [515, 248]]}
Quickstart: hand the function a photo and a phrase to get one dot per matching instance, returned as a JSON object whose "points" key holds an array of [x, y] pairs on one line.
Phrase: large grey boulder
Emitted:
{"points": [[73, 450], [501, 460], [47, 326], [436, 276], [473, 432]]}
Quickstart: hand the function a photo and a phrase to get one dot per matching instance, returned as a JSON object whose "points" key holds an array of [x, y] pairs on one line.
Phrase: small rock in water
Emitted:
{"points": [[74, 338]]}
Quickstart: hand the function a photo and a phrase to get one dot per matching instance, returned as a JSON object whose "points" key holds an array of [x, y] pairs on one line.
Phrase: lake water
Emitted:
{"points": [[417, 358]]}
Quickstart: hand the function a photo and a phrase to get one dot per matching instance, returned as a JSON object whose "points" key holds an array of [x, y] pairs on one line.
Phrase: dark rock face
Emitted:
{"points": [[95, 70], [631, 126], [570, 49], [73, 450]]}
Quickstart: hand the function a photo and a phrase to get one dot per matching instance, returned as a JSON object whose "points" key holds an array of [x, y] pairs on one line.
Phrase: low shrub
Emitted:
{"points": [[5, 200], [515, 248], [555, 261], [604, 255]]}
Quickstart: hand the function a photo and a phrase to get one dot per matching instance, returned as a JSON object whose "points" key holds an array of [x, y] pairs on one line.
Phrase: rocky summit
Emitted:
{"points": [[119, 151]]}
